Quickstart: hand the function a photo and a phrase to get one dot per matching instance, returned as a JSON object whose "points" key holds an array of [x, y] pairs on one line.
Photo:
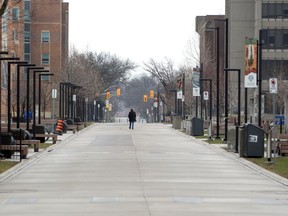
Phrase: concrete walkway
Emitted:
{"points": [[154, 170]]}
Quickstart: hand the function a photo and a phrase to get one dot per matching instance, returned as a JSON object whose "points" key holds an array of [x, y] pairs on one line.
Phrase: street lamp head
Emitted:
{"points": [[9, 58], [35, 68], [4, 52]]}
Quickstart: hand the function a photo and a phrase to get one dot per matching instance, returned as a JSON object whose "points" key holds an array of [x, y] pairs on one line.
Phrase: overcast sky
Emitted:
{"points": [[137, 29]]}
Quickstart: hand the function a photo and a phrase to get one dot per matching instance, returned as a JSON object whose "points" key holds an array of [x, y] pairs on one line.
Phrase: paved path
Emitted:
{"points": [[109, 170]]}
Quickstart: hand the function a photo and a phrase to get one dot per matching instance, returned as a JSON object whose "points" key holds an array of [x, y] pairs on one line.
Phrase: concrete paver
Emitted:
{"points": [[109, 170]]}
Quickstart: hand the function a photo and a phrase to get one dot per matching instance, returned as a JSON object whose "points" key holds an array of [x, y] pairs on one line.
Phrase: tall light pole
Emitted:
{"points": [[210, 96], [259, 66], [39, 96], [9, 92], [28, 91], [64, 99], [34, 99], [217, 80], [18, 89], [226, 77], [5, 59], [239, 103]]}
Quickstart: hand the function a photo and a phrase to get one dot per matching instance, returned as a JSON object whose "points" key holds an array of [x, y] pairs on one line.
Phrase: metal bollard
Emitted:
{"points": [[268, 147]]}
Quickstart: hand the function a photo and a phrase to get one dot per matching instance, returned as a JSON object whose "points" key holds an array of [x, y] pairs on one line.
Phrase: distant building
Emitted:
{"points": [[205, 27], [37, 32]]}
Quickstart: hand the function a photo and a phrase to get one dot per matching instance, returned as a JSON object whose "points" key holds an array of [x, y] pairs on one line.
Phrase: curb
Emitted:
{"points": [[268, 174]]}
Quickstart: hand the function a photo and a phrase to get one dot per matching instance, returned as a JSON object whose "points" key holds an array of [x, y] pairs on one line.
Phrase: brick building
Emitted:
{"points": [[206, 28], [37, 32]]}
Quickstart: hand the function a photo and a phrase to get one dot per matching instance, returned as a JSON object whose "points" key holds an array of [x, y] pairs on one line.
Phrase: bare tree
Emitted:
{"points": [[166, 74], [192, 51], [134, 92], [96, 73]]}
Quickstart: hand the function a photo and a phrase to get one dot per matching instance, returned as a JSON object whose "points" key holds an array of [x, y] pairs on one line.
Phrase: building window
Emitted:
{"points": [[46, 78], [45, 37], [27, 57], [45, 59], [274, 10], [27, 27], [285, 39], [26, 16], [15, 14], [27, 37], [27, 5], [26, 47], [274, 38]]}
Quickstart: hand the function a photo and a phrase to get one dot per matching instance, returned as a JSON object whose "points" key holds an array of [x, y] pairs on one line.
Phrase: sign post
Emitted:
{"points": [[54, 96], [273, 89]]}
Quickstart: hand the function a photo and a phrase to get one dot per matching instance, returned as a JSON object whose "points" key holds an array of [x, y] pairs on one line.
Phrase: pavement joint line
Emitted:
{"points": [[141, 177]]}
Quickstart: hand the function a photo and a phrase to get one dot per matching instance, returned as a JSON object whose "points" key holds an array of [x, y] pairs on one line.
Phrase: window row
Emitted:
{"points": [[274, 68], [274, 10], [45, 36], [45, 57], [274, 38]]}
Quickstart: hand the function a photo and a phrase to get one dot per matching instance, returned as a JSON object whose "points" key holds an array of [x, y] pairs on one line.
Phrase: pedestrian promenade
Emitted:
{"points": [[154, 170]]}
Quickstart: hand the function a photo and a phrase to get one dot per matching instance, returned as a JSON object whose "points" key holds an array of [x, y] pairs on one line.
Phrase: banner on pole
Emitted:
{"points": [[206, 95], [250, 63], [196, 81]]}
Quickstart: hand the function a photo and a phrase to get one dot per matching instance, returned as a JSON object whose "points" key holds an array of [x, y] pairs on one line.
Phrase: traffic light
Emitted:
{"points": [[107, 95], [145, 98], [118, 92], [151, 93]]}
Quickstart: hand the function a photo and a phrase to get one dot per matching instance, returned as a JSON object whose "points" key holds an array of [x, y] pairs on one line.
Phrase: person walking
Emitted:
{"points": [[132, 119]]}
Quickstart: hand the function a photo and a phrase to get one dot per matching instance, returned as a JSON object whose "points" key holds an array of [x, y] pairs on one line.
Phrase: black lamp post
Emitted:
{"points": [[259, 66], [18, 89], [217, 81], [39, 96], [210, 95], [239, 103], [34, 98], [183, 95], [64, 99], [175, 100], [226, 77], [28, 91], [4, 59], [73, 102], [60, 100], [9, 93]]}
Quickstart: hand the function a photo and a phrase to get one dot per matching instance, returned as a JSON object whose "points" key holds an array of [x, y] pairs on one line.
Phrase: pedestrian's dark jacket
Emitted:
{"points": [[132, 116]]}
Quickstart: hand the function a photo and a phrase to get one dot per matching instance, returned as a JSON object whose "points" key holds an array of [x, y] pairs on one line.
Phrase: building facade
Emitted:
{"points": [[36, 31], [266, 21], [206, 28]]}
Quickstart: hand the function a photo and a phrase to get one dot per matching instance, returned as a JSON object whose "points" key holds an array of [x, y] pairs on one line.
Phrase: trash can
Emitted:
{"points": [[7, 139], [197, 128], [253, 144], [39, 129], [176, 122]]}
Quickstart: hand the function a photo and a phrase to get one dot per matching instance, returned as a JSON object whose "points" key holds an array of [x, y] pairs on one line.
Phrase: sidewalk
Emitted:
{"points": [[154, 170]]}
